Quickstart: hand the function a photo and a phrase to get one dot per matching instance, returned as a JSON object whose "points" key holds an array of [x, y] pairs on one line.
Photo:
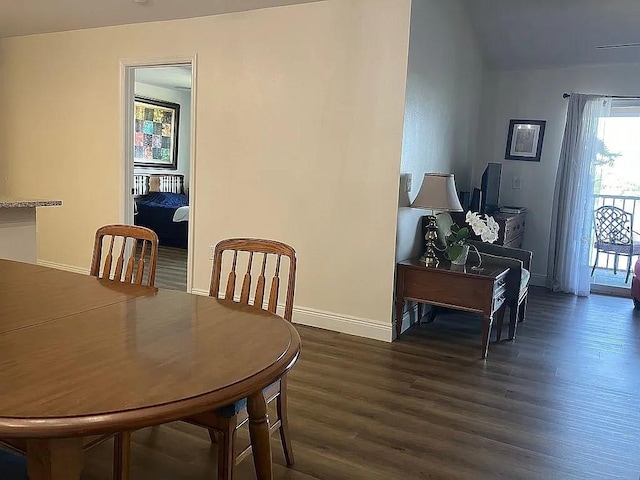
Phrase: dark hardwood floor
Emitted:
{"points": [[171, 271], [562, 402]]}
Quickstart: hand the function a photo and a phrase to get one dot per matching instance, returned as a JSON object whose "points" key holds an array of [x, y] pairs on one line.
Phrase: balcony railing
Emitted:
{"points": [[605, 267], [626, 203]]}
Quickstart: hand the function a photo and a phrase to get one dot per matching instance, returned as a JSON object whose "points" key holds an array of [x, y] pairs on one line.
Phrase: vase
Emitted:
{"points": [[462, 258]]}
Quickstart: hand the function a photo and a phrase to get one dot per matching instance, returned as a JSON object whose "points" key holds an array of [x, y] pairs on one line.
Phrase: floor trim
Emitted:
{"points": [[611, 291], [538, 279], [197, 291], [62, 266], [336, 322], [410, 315], [360, 327]]}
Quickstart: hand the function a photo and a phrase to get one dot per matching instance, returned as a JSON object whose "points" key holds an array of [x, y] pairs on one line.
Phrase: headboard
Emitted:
{"points": [[144, 183]]}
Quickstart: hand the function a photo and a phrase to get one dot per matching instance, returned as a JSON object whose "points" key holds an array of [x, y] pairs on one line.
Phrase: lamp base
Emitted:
{"points": [[429, 258]]}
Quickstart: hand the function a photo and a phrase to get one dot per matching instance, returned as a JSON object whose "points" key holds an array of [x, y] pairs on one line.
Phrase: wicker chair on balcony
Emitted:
{"points": [[615, 236]]}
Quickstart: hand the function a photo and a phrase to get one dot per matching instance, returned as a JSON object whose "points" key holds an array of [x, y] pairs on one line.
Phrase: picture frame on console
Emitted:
{"points": [[524, 140]]}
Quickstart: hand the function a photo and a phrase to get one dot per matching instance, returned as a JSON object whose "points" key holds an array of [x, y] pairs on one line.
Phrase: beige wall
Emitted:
{"points": [[3, 132], [537, 95], [444, 85], [299, 132]]}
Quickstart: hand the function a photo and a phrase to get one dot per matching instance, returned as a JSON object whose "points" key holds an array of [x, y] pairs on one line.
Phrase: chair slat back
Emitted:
{"points": [[131, 262], [613, 226], [267, 255]]}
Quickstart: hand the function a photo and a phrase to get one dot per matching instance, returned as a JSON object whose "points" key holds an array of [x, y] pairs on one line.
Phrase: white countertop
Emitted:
{"points": [[8, 202]]}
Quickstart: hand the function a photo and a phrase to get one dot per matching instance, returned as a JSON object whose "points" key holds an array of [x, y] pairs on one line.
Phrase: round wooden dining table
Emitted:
{"points": [[81, 357]]}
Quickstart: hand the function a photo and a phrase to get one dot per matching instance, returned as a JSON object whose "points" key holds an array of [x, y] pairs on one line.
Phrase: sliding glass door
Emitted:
{"points": [[617, 184]]}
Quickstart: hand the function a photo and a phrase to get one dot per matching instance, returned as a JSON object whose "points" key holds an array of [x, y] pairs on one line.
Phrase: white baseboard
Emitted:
{"points": [[409, 316], [360, 327], [611, 291], [311, 317], [62, 266], [538, 280]]}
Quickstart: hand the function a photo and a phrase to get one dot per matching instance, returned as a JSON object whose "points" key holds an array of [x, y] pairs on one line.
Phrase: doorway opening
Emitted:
{"points": [[617, 184], [159, 162]]}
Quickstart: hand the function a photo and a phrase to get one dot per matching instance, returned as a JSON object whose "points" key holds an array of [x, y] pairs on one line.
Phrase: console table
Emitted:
{"points": [[452, 286], [511, 233]]}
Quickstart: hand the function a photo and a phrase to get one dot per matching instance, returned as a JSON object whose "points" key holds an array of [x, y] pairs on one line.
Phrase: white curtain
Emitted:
{"points": [[572, 214]]}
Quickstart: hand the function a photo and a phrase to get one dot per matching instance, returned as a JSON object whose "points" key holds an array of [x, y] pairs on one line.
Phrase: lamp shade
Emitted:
{"points": [[438, 192]]}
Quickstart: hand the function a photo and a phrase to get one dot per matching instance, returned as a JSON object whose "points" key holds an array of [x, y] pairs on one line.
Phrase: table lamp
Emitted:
{"points": [[437, 193]]}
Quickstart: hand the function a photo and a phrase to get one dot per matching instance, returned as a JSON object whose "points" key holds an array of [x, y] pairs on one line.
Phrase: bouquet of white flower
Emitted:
{"points": [[486, 228]]}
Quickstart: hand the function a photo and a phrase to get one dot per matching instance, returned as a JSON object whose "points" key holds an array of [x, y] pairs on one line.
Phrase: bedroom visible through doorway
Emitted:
{"points": [[160, 146]]}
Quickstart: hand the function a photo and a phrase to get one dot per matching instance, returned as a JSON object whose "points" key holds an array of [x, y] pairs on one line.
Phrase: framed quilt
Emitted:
{"points": [[155, 141]]}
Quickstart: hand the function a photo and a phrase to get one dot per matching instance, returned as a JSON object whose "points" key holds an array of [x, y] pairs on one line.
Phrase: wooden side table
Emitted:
{"points": [[450, 286]]}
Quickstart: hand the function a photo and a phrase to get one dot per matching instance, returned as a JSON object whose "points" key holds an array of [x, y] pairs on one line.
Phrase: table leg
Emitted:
{"points": [[500, 320], [399, 316], [399, 301], [122, 456], [487, 320], [259, 433], [54, 459]]}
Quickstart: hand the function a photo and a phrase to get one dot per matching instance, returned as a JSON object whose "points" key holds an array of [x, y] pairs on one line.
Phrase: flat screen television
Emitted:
{"points": [[490, 188]]}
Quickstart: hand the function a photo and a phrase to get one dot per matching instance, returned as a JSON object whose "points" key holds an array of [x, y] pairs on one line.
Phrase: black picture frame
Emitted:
{"points": [[524, 140], [156, 124]]}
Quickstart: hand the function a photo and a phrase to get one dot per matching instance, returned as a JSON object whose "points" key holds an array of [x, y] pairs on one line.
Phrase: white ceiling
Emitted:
{"points": [[24, 17], [519, 34], [513, 34], [177, 76]]}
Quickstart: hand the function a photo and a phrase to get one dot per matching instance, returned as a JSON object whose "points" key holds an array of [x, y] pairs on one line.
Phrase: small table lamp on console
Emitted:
{"points": [[437, 193]]}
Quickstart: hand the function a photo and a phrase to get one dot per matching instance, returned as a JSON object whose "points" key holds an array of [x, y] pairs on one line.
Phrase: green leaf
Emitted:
{"points": [[454, 228], [454, 251], [462, 233]]}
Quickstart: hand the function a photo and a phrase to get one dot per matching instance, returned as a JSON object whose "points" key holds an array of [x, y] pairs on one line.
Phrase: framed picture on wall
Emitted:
{"points": [[155, 142], [524, 140]]}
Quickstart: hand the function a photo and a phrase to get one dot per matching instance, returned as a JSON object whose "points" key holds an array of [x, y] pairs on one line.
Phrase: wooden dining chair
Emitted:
{"points": [[128, 267], [264, 258], [130, 264]]}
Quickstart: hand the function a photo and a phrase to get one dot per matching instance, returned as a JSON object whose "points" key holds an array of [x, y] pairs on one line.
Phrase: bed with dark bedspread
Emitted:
{"points": [[156, 211]]}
